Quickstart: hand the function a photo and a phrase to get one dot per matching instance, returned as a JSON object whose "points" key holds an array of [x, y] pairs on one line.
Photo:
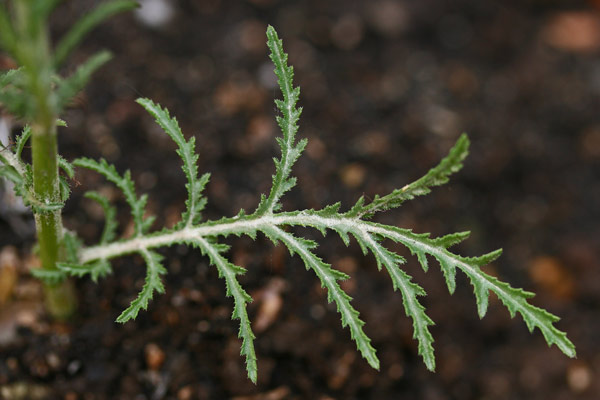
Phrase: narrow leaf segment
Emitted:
{"points": [[288, 122], [195, 202], [229, 271], [435, 177], [152, 284]]}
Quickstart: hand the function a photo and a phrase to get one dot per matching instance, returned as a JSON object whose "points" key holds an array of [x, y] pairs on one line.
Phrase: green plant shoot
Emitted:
{"points": [[28, 92]]}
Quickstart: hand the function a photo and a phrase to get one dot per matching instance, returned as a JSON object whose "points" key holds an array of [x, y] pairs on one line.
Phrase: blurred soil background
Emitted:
{"points": [[387, 87]]}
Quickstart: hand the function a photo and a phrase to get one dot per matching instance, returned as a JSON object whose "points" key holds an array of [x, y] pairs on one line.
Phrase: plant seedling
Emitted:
{"points": [[35, 93]]}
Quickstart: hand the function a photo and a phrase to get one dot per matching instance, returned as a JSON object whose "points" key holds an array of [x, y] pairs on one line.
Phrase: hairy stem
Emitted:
{"points": [[243, 225], [34, 55]]}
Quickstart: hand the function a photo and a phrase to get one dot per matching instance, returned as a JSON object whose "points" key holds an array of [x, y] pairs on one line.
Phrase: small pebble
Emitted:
{"points": [[155, 13], [155, 356], [185, 393], [554, 277], [270, 304], [74, 367], [573, 31], [53, 360], [353, 175], [579, 377]]}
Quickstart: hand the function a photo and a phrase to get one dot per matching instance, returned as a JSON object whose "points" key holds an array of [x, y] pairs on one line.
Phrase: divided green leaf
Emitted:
{"points": [[268, 219]]}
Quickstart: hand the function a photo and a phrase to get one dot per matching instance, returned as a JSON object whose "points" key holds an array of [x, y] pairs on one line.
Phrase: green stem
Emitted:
{"points": [[60, 298], [34, 55], [45, 185]]}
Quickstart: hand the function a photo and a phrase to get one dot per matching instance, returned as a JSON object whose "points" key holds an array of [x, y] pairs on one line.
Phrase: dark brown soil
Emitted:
{"points": [[387, 86]]}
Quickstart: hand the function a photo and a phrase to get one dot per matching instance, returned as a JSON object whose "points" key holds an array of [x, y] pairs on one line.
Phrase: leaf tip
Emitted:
{"points": [[253, 376], [430, 364], [124, 317]]}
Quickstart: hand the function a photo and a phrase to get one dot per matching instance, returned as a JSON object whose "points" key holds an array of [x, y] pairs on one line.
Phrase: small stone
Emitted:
{"points": [[27, 314], [573, 31], [155, 356], [74, 367], [353, 175], [155, 13], [53, 360], [270, 304], [552, 275], [185, 393], [579, 377]]}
